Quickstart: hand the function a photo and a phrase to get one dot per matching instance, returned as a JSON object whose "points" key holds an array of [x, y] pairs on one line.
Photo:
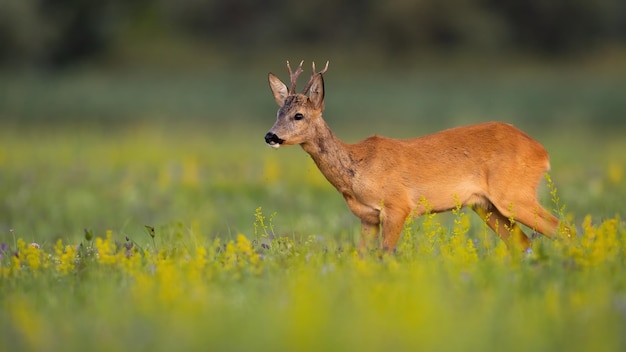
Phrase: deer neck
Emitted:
{"points": [[332, 157]]}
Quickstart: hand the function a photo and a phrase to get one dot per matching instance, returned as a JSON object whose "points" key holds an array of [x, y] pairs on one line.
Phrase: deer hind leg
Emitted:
{"points": [[533, 215], [511, 234], [520, 203]]}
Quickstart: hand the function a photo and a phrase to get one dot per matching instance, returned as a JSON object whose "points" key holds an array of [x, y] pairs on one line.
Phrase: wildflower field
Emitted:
{"points": [[165, 235]]}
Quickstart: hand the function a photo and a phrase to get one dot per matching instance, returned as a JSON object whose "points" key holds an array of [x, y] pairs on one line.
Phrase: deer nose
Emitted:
{"points": [[272, 139]]}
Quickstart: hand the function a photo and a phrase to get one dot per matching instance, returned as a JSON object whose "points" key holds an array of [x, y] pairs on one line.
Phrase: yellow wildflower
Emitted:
{"points": [[29, 254], [131, 260], [244, 247], [201, 257], [66, 256], [106, 249], [16, 264], [230, 256]]}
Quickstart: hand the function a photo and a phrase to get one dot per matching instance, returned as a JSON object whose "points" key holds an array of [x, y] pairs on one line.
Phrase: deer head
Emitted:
{"points": [[299, 114]]}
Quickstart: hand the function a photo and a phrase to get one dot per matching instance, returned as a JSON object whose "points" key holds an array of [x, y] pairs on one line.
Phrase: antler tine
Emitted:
{"points": [[322, 71], [308, 85], [293, 76]]}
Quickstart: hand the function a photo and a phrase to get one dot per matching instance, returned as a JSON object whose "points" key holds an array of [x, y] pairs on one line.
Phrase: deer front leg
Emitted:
{"points": [[392, 223], [369, 236], [370, 222]]}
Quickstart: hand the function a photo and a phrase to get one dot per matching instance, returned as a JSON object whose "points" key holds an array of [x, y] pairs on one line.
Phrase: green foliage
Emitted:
{"points": [[261, 229], [69, 31]]}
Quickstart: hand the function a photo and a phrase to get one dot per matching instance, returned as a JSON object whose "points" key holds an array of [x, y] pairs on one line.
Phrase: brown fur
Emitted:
{"points": [[492, 167]]}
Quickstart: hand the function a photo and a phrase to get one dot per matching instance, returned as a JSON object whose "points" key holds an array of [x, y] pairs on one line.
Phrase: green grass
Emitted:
{"points": [[109, 155]]}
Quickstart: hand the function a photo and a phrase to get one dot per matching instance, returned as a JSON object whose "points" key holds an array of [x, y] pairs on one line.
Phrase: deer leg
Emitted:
{"points": [[370, 222], [392, 223], [537, 218], [511, 234], [369, 235]]}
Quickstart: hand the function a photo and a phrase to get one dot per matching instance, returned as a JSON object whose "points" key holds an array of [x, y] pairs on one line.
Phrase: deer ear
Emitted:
{"points": [[316, 95], [279, 89]]}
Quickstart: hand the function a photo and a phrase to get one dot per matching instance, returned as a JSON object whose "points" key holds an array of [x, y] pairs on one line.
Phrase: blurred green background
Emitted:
{"points": [[69, 32], [115, 114]]}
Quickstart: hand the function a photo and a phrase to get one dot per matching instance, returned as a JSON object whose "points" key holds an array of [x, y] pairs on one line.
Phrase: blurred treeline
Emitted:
{"points": [[52, 34]]}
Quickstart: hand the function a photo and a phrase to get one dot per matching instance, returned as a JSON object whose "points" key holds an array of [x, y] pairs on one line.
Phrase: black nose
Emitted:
{"points": [[271, 138]]}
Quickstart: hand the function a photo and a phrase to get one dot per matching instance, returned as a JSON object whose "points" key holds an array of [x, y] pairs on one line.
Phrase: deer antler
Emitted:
{"points": [[308, 85], [294, 76]]}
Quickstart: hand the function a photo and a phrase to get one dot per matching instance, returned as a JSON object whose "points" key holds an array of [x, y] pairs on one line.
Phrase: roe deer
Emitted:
{"points": [[493, 167]]}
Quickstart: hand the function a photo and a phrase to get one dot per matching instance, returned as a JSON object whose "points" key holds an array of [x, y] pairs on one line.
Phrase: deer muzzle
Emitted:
{"points": [[273, 140]]}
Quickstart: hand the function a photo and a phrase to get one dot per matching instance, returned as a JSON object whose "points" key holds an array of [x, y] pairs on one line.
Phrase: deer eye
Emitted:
{"points": [[298, 116]]}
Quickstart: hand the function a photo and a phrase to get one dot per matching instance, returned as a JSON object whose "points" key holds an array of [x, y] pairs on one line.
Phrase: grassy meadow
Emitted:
{"points": [[144, 212]]}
